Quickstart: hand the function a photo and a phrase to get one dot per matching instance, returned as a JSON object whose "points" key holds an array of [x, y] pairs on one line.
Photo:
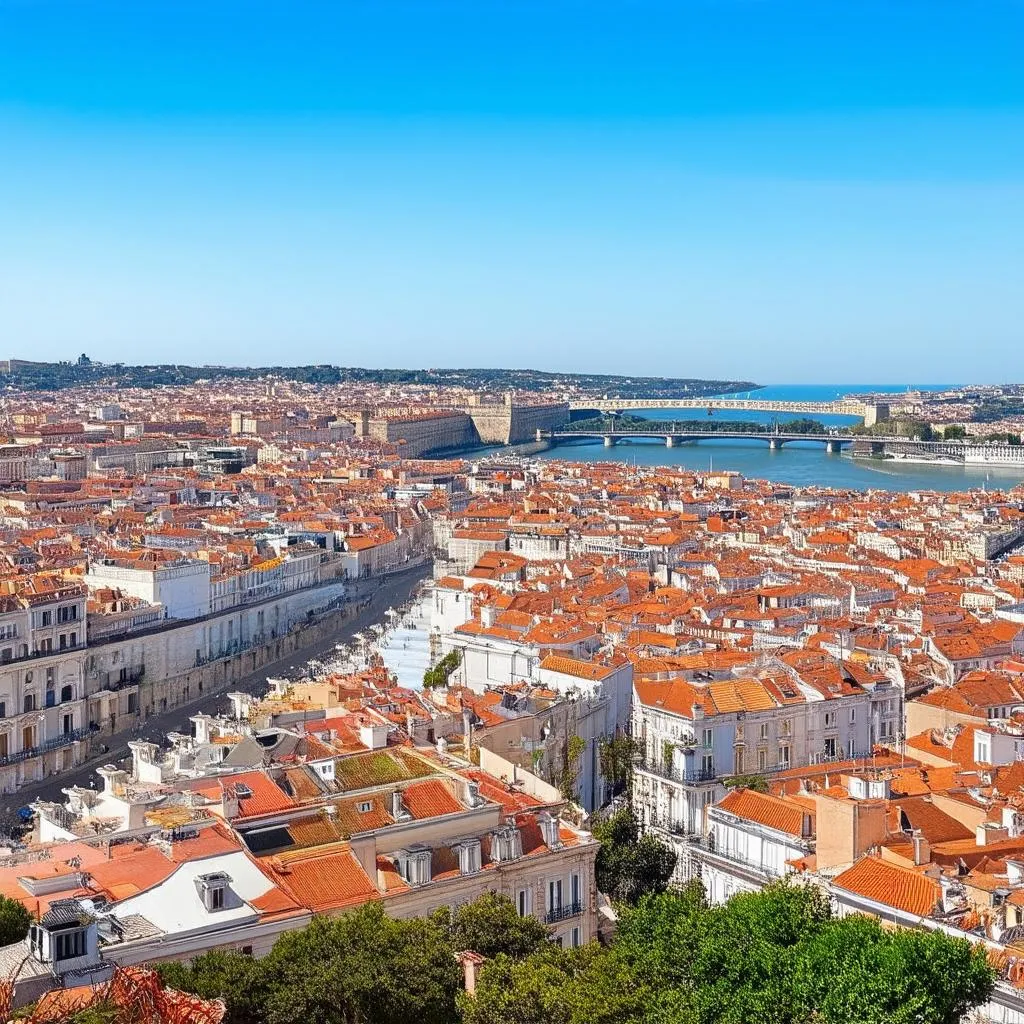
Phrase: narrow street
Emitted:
{"points": [[391, 593]]}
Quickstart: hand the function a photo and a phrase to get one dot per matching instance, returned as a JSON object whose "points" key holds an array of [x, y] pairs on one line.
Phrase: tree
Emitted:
{"points": [[440, 673], [854, 970], [617, 756], [555, 986], [363, 967], [754, 782], [237, 979], [630, 865], [491, 925], [14, 921]]}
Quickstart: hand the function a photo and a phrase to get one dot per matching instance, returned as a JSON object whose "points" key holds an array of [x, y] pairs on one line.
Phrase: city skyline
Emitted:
{"points": [[778, 192]]}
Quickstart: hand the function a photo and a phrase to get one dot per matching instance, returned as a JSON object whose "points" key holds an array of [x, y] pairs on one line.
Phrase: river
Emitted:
{"points": [[800, 463]]}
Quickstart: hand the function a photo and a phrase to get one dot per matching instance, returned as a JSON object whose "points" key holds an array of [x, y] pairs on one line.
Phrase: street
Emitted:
{"points": [[391, 593]]}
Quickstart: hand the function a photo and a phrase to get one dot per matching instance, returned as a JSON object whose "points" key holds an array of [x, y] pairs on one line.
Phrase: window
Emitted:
{"points": [[46, 619], [784, 754], [706, 738], [469, 856], [29, 703], [707, 764], [764, 730], [66, 693], [830, 719], [68, 725], [414, 865], [69, 944], [762, 760], [247, 951], [63, 641], [555, 895], [74, 639], [574, 938], [3, 709], [830, 748], [853, 715], [575, 890], [212, 889], [506, 844], [524, 902]]}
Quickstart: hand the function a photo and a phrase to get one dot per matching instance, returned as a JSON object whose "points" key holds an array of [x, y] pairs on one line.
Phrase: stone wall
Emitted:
{"points": [[505, 423]]}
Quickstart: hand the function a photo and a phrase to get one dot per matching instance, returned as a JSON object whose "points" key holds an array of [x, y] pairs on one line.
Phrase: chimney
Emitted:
{"points": [[922, 849], [470, 969]]}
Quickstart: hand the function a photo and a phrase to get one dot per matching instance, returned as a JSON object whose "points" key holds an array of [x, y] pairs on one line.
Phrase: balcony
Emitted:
{"points": [[562, 913], [666, 824], [673, 774], [61, 740], [52, 653]]}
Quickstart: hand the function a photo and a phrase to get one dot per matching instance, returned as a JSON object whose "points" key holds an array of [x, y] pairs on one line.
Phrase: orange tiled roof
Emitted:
{"points": [[895, 886]]}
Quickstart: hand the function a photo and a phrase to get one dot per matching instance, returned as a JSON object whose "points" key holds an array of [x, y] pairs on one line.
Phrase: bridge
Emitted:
{"points": [[775, 439], [869, 412]]}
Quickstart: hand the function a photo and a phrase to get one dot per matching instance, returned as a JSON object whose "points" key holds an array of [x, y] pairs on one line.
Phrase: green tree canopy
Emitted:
{"points": [[630, 865], [14, 921], [491, 925], [777, 956]]}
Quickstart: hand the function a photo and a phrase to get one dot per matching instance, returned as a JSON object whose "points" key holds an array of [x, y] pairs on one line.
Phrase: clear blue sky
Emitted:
{"points": [[815, 191]]}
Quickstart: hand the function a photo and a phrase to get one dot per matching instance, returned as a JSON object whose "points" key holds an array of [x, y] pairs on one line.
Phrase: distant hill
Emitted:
{"points": [[20, 373]]}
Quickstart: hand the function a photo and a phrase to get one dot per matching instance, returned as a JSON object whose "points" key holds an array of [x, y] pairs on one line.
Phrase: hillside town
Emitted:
{"points": [[780, 682]]}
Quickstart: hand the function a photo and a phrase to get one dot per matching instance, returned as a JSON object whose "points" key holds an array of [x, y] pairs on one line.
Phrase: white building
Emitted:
{"points": [[182, 586], [692, 735]]}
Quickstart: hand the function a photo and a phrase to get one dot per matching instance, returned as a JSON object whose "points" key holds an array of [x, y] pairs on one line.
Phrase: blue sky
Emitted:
{"points": [[783, 191]]}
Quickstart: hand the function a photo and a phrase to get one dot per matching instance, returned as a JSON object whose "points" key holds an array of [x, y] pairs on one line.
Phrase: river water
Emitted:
{"points": [[800, 463]]}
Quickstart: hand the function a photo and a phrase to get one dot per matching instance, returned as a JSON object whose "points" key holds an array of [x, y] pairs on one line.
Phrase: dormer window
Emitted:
{"points": [[398, 809], [549, 830], [69, 944], [469, 856], [364, 806], [506, 844], [414, 864], [213, 890]]}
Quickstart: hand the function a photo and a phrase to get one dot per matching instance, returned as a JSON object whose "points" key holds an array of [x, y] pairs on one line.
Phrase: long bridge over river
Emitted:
{"points": [[864, 446], [869, 412], [776, 439]]}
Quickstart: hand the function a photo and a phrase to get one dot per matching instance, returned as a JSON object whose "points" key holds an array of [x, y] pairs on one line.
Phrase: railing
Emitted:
{"points": [[61, 740], [28, 655], [566, 910], [675, 775], [704, 775], [666, 824]]}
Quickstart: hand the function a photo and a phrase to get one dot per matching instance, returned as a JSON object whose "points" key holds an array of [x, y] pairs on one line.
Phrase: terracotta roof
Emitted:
{"points": [[895, 886], [771, 811]]}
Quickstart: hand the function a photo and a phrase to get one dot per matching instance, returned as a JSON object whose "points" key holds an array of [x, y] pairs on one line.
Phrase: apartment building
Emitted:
{"points": [[43, 719]]}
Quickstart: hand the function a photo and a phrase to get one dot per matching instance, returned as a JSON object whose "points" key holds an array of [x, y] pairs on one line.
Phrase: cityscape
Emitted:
{"points": [[511, 513], [276, 650]]}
